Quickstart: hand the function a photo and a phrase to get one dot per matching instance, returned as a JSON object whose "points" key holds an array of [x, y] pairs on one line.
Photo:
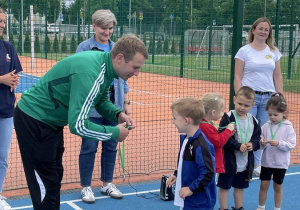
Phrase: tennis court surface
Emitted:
{"points": [[145, 196]]}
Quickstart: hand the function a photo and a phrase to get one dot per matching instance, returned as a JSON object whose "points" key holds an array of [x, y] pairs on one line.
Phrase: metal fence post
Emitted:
{"points": [[154, 29], [182, 39], [238, 19], [291, 39]]}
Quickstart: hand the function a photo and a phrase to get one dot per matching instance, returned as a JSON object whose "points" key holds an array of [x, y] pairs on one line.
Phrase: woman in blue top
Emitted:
{"points": [[103, 22], [9, 79]]}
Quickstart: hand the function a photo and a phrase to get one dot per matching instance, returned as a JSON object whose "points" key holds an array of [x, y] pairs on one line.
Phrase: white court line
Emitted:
{"points": [[28, 75], [152, 93], [137, 103], [74, 205], [71, 202]]}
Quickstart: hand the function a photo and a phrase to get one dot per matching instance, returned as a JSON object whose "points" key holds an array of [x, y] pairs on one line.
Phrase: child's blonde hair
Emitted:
{"points": [[189, 107], [213, 101]]}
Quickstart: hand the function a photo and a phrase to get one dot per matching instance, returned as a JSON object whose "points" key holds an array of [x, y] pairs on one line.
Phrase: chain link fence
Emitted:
{"points": [[190, 43]]}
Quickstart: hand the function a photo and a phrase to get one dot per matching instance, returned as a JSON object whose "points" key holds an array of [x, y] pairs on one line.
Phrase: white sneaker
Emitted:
{"points": [[112, 191], [3, 204], [87, 195], [256, 171]]}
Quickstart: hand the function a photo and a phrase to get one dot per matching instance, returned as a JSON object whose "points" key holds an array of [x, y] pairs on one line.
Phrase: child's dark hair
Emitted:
{"points": [[277, 102]]}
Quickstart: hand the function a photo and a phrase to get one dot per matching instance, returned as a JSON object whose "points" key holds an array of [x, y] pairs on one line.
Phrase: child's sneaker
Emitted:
{"points": [[261, 207], [3, 204], [87, 195], [241, 208], [112, 191]]}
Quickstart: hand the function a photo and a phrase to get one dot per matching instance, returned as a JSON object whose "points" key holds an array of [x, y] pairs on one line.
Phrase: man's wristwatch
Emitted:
{"points": [[127, 102]]}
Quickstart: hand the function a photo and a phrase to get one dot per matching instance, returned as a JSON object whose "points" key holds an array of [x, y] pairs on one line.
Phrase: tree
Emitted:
{"points": [[173, 47], [65, 11], [53, 9], [55, 45], [64, 44], [37, 47], [4, 4], [11, 39], [259, 7], [47, 45], [114, 38], [150, 48], [159, 46], [166, 46], [73, 44], [145, 39], [94, 5], [27, 44]]}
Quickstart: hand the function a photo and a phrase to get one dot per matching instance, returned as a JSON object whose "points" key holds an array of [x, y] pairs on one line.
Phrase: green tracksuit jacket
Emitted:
{"points": [[67, 93]]}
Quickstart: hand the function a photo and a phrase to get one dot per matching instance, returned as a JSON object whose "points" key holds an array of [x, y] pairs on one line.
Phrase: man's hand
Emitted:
{"points": [[123, 132], [126, 109], [125, 118]]}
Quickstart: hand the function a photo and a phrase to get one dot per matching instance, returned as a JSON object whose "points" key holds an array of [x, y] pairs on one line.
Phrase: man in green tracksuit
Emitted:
{"points": [[65, 95]]}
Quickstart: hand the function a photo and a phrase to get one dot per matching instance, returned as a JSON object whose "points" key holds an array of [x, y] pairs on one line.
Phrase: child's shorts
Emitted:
{"points": [[278, 174], [238, 180]]}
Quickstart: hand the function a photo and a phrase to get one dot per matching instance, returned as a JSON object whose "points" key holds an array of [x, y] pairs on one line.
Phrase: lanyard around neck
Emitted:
{"points": [[273, 135], [244, 141], [214, 124]]}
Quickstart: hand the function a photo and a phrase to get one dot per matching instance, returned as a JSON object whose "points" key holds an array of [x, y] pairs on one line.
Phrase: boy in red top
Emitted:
{"points": [[214, 105]]}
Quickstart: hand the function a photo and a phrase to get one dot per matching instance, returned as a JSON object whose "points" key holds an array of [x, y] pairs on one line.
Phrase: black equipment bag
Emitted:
{"points": [[166, 193]]}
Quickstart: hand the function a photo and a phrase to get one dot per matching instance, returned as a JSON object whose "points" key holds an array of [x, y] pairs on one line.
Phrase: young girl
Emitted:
{"points": [[214, 105], [278, 138]]}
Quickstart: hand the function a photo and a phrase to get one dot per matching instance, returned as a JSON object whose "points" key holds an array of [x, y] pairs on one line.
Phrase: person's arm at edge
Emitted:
{"points": [[290, 143], [126, 98], [231, 143], [80, 107], [256, 135], [203, 180], [238, 74], [277, 78], [216, 138]]}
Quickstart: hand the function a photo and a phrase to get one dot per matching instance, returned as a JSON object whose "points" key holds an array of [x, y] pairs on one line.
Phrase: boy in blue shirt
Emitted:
{"points": [[195, 174]]}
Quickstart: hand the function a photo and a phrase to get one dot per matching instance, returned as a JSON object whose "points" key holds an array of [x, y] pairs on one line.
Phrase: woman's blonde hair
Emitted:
{"points": [[270, 40], [213, 101]]}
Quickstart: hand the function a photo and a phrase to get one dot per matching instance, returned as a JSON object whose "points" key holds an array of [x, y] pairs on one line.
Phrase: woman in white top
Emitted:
{"points": [[257, 65]]}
